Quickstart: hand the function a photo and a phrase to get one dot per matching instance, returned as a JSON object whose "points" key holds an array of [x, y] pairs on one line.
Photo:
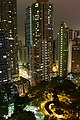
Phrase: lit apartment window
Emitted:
{"points": [[9, 21], [10, 45], [11, 51], [36, 5], [0, 72], [4, 56], [50, 6]]}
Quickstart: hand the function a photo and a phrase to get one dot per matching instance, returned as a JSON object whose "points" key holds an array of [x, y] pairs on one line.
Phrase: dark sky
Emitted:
{"points": [[64, 10]]}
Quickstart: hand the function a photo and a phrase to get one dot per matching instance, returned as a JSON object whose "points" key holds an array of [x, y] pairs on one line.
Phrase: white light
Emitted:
{"points": [[11, 38], [36, 5], [9, 21], [0, 43], [0, 71], [4, 56]]}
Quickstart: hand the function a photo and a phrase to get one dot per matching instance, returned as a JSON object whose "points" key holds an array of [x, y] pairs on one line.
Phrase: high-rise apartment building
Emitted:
{"points": [[39, 39], [63, 49], [28, 30], [76, 34], [68, 50], [74, 51], [8, 25], [20, 52], [71, 37], [75, 67], [5, 75], [57, 49], [75, 56], [24, 55]]}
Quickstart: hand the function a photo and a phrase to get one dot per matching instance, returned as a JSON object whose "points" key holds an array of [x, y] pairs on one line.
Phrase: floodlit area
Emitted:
{"points": [[61, 112], [24, 73]]}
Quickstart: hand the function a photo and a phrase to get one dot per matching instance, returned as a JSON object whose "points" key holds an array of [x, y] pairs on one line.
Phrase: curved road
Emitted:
{"points": [[47, 107]]}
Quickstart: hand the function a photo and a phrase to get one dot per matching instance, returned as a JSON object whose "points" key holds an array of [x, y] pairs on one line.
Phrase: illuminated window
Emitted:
{"points": [[0, 72], [10, 45], [9, 21], [36, 5], [0, 43], [4, 56]]}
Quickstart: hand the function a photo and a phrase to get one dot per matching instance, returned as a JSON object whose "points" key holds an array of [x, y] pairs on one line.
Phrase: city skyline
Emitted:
{"points": [[67, 11]]}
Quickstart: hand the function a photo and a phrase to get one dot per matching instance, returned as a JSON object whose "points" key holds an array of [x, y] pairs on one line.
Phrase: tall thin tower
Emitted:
{"points": [[63, 49]]}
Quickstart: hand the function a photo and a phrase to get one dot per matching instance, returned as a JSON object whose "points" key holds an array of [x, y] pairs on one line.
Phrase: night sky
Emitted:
{"points": [[64, 10]]}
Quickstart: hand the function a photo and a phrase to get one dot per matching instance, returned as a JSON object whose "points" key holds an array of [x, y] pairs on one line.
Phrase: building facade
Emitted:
{"points": [[75, 56], [63, 49], [73, 52], [28, 30], [5, 74], [40, 40], [22, 86], [8, 25]]}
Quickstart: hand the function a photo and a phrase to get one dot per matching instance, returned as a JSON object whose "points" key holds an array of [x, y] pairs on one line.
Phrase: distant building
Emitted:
{"points": [[75, 56], [57, 50], [76, 34], [28, 30], [20, 52], [8, 25], [67, 51], [73, 52], [24, 55], [71, 37], [63, 49], [39, 40]]}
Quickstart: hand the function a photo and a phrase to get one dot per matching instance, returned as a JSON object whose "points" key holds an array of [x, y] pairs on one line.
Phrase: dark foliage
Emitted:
{"points": [[23, 115]]}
